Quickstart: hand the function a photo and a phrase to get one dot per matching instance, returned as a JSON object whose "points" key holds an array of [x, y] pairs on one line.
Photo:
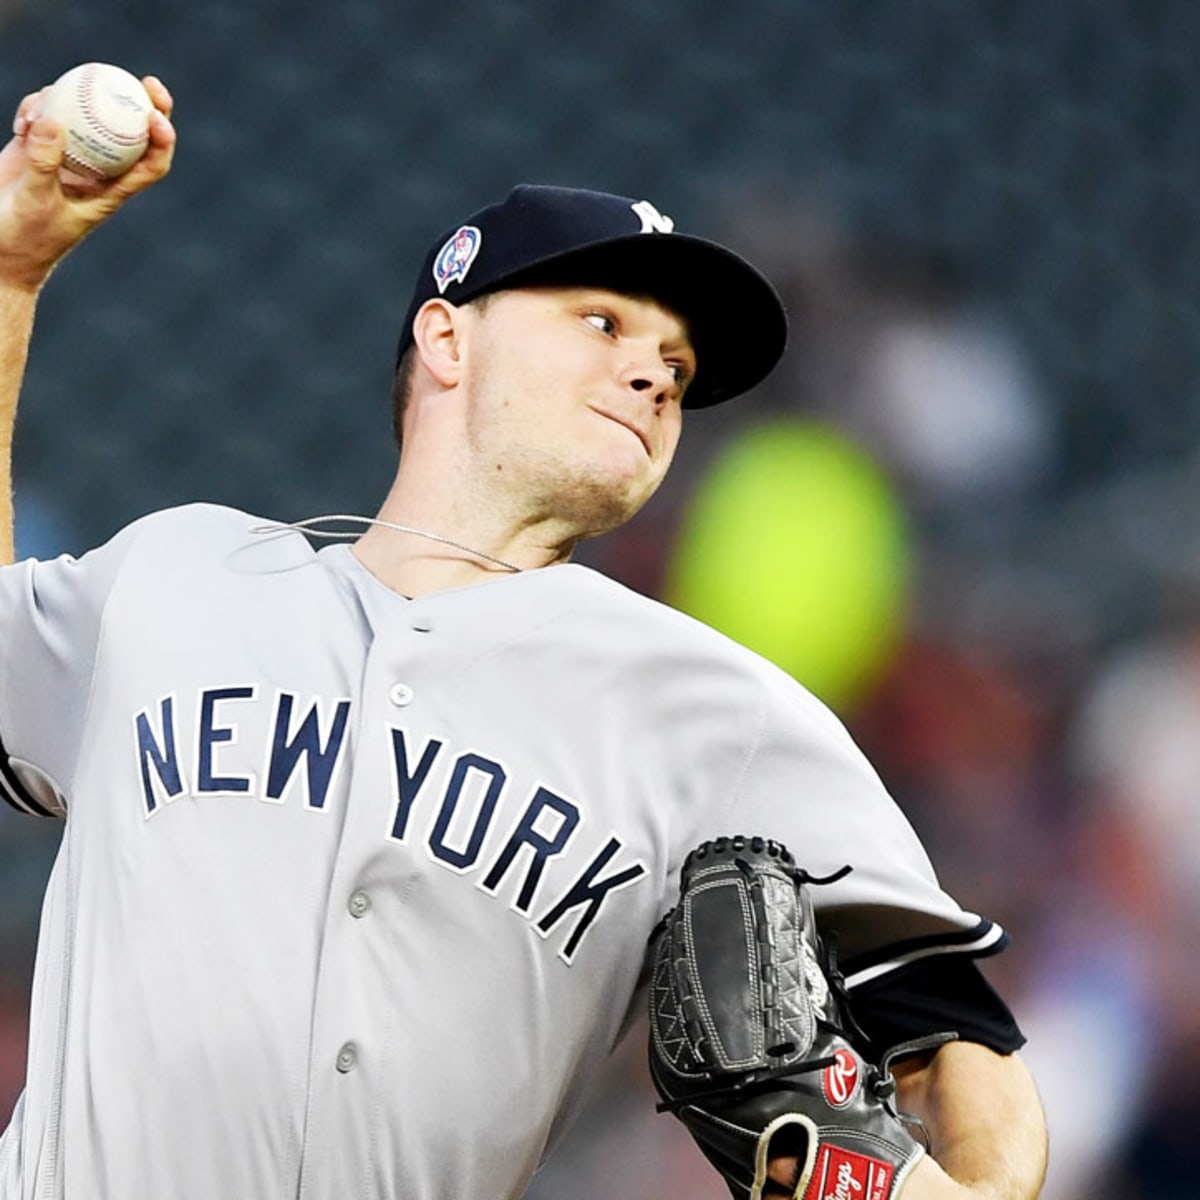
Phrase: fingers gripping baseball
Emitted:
{"points": [[46, 207]]}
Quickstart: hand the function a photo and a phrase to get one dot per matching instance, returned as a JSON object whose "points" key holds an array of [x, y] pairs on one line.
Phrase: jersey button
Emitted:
{"points": [[400, 694], [422, 624], [347, 1058], [359, 903]]}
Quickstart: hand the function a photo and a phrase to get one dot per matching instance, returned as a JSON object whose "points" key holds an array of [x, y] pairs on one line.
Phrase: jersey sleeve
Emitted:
{"points": [[50, 619], [807, 784]]}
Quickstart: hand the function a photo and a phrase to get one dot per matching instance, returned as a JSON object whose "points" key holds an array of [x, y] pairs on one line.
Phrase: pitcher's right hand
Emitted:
{"points": [[45, 209]]}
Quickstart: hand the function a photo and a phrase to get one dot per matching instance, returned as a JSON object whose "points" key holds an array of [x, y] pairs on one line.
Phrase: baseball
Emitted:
{"points": [[105, 113]]}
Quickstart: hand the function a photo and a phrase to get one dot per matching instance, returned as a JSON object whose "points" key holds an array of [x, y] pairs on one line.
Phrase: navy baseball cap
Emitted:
{"points": [[570, 237]]}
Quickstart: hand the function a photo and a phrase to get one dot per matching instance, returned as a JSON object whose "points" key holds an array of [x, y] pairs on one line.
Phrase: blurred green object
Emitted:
{"points": [[796, 545]]}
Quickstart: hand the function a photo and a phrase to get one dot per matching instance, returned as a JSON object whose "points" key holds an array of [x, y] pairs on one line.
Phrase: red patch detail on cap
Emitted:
{"points": [[843, 1175], [840, 1080]]}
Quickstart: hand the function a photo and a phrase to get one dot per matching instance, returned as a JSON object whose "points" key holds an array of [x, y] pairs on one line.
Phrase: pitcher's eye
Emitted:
{"points": [[601, 321]]}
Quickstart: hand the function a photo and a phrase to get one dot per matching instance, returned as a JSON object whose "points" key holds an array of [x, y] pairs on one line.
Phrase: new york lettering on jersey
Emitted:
{"points": [[452, 804]]}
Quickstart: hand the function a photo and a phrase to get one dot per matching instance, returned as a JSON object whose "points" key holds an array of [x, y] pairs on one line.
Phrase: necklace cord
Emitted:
{"points": [[311, 525]]}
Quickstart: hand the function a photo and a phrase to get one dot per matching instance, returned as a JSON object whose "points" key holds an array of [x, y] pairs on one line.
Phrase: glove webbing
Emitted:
{"points": [[768, 973]]}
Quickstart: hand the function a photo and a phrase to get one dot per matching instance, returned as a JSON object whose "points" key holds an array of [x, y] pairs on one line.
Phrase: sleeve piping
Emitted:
{"points": [[14, 792], [983, 939]]}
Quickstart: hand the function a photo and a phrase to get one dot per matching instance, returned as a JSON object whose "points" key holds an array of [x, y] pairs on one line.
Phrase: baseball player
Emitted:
{"points": [[364, 841]]}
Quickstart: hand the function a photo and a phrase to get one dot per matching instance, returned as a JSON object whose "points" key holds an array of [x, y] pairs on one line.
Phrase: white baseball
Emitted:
{"points": [[105, 112]]}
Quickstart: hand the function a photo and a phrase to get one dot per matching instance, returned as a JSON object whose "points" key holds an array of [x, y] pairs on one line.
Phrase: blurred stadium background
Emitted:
{"points": [[983, 216]]}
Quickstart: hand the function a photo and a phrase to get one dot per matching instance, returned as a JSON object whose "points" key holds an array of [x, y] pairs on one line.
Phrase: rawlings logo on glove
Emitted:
{"points": [[750, 1042]]}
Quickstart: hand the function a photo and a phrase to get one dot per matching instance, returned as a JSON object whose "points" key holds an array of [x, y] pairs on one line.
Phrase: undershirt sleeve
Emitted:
{"points": [[937, 995]]}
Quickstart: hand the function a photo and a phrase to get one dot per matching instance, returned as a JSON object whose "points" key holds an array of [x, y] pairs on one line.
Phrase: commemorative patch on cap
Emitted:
{"points": [[454, 259]]}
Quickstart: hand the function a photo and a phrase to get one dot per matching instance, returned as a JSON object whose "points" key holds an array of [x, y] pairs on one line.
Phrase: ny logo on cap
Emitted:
{"points": [[652, 220], [454, 259]]}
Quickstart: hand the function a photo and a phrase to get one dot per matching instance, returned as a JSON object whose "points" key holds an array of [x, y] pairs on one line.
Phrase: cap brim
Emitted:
{"points": [[737, 321]]}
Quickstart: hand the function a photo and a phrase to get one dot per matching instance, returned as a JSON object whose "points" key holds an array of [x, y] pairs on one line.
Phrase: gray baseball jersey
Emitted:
{"points": [[354, 890]]}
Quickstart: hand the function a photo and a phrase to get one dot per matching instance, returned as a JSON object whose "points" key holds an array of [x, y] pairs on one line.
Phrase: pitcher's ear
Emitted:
{"points": [[437, 334]]}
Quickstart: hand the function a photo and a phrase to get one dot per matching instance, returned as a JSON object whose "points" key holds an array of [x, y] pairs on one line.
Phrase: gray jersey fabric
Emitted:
{"points": [[354, 890]]}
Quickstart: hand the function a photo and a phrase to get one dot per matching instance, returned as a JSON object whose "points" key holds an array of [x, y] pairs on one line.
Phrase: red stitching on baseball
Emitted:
{"points": [[87, 85]]}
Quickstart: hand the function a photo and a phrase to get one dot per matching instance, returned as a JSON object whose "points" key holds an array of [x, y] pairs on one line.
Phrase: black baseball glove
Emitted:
{"points": [[751, 1037]]}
